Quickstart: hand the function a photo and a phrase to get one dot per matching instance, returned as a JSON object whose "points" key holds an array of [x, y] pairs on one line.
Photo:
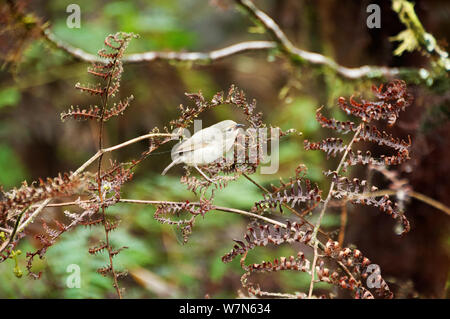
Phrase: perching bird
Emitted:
{"points": [[206, 145]]}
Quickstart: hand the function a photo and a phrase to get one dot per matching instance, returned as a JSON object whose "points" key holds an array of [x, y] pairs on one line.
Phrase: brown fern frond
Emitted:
{"points": [[115, 252], [111, 38], [367, 159], [111, 184], [98, 71], [356, 191], [82, 114], [372, 134], [234, 97], [118, 109], [269, 234], [51, 235], [104, 54], [339, 126], [391, 100], [105, 270], [110, 71], [114, 87], [331, 146], [166, 211], [111, 225], [301, 263], [92, 222], [198, 185], [291, 193], [97, 249], [63, 185], [298, 263], [360, 266], [90, 89]]}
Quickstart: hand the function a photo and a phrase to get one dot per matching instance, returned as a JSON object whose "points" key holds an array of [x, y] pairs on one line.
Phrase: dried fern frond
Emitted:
{"points": [[352, 260], [291, 263], [356, 191], [63, 185], [97, 249], [360, 267], [234, 97], [367, 159], [110, 71], [291, 193], [331, 146], [263, 235], [50, 235], [302, 264], [118, 109], [338, 126], [93, 113], [391, 100], [166, 211], [112, 180], [372, 134]]}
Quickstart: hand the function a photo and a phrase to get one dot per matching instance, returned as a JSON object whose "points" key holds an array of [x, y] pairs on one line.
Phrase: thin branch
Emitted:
{"points": [[151, 56], [87, 164], [287, 48], [158, 202], [315, 58], [218, 208], [202, 57]]}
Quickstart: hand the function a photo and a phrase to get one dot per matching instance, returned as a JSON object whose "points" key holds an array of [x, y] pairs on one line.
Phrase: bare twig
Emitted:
{"points": [[315, 58], [159, 202], [150, 56], [281, 41]]}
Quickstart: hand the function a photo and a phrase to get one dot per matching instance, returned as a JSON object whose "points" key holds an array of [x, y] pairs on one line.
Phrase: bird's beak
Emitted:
{"points": [[239, 125]]}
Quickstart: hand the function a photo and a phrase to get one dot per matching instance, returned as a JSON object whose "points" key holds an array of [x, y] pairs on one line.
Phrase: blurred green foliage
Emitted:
{"points": [[13, 172]]}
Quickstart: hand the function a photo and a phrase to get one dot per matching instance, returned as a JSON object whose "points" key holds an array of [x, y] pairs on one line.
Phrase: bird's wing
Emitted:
{"points": [[198, 140]]}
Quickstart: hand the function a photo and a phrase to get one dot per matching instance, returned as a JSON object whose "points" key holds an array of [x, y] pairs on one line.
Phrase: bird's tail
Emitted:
{"points": [[175, 162]]}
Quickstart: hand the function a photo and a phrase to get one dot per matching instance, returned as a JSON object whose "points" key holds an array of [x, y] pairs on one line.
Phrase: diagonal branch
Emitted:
{"points": [[150, 56], [316, 59], [86, 165], [281, 41]]}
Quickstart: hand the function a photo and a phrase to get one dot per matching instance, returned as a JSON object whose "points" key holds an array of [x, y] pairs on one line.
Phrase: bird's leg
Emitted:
{"points": [[203, 174]]}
